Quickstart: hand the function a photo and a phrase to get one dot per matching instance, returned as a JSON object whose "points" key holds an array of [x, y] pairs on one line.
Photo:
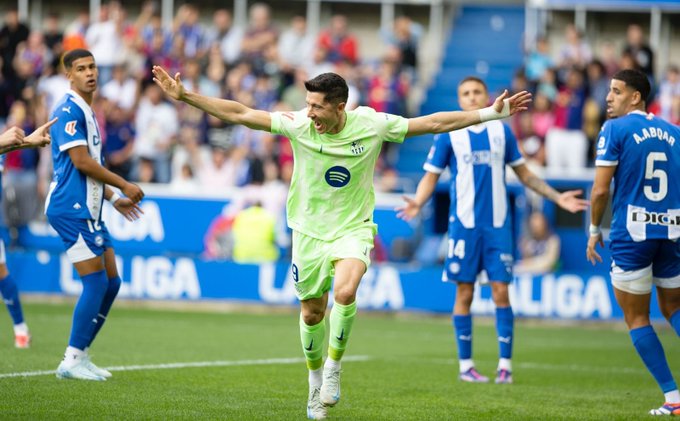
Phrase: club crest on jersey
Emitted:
{"points": [[337, 176], [356, 148], [70, 127]]}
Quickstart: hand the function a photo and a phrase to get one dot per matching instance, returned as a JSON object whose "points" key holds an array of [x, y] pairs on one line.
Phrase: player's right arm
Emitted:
{"points": [[15, 138], [226, 110], [85, 164]]}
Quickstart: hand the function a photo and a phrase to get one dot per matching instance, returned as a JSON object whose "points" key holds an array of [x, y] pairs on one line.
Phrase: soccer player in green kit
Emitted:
{"points": [[331, 200]]}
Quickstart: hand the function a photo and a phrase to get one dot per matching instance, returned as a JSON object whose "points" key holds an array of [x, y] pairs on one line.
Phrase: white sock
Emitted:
{"points": [[21, 329], [331, 364], [72, 356], [505, 364], [315, 378], [465, 365], [673, 396]]}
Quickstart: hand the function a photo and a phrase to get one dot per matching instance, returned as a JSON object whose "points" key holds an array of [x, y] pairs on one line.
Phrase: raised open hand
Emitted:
{"points": [[172, 87]]}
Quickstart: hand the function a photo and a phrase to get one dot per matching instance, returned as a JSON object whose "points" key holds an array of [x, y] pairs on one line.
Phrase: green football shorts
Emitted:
{"points": [[314, 260]]}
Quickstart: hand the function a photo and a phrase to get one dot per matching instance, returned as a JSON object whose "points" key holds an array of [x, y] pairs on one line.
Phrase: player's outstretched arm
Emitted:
{"points": [[12, 137], [424, 191], [230, 111], [599, 196], [15, 138], [567, 200], [445, 122]]}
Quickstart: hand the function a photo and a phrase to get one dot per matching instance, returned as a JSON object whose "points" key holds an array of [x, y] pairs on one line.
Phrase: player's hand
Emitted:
{"points": [[133, 192], [41, 136], [13, 136], [569, 202], [518, 102], [592, 256], [408, 211], [172, 87], [130, 210]]}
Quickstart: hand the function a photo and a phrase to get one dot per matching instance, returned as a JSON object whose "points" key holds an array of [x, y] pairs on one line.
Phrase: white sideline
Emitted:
{"points": [[557, 367], [269, 361]]}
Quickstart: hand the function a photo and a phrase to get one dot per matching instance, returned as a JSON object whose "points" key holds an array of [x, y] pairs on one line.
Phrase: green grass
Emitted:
{"points": [[561, 371]]}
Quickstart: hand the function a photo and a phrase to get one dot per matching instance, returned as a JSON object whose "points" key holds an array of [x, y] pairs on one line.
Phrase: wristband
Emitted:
{"points": [[114, 198], [489, 113], [594, 230]]}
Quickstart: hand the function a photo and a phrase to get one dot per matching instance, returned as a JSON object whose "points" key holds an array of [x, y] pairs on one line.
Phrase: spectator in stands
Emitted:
{"points": [[566, 144], [11, 35], [225, 36], [52, 34], [120, 136], [338, 43], [669, 95], [34, 54], [295, 94], [539, 248], [575, 52], [52, 85], [296, 47], [74, 35], [610, 58], [638, 48], [188, 28], [121, 90], [185, 181], [387, 89], [105, 39], [405, 36], [538, 61], [260, 35], [548, 84], [156, 129]]}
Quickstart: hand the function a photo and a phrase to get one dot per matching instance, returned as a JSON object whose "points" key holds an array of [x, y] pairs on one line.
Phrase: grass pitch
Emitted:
{"points": [[170, 364]]}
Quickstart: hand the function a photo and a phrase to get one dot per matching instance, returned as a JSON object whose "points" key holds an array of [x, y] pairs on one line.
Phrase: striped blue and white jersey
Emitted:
{"points": [[72, 194], [476, 157], [646, 200]]}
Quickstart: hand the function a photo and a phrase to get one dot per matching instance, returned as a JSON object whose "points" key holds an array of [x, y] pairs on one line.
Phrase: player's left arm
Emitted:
{"points": [[129, 209], [444, 122], [14, 138], [567, 200], [599, 196]]}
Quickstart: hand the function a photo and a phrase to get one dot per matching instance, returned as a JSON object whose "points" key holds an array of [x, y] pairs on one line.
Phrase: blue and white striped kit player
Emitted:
{"points": [[74, 202], [646, 200], [480, 236]]}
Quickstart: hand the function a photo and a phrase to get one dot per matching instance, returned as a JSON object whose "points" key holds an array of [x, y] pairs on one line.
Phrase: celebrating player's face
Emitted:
{"points": [[619, 99], [325, 115], [472, 95], [83, 75]]}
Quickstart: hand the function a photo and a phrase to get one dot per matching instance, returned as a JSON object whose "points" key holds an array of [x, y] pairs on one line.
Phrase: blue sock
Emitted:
{"points": [[505, 322], [650, 350], [87, 308], [107, 302], [10, 293], [675, 321], [463, 331]]}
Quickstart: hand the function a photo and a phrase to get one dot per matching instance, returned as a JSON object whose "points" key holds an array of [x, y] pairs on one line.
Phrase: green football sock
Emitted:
{"points": [[341, 320], [312, 338]]}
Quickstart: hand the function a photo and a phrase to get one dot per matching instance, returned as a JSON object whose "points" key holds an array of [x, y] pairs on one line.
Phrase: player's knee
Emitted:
{"points": [[464, 294], [312, 317], [634, 321], [344, 294], [499, 294]]}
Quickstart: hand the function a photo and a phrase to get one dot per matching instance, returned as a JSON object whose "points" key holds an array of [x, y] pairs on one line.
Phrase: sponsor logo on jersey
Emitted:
{"points": [[70, 127], [656, 218], [356, 148], [66, 109], [337, 176]]}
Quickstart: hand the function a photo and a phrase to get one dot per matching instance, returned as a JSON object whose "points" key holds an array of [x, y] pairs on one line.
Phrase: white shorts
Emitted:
{"points": [[640, 281]]}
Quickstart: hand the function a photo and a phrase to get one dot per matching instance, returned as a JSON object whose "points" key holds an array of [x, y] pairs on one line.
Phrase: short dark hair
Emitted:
{"points": [[332, 85], [636, 79], [474, 79], [70, 56]]}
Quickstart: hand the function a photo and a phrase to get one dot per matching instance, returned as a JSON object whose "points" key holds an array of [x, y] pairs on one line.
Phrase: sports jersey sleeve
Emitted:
{"points": [[70, 130], [513, 156], [608, 148], [288, 123], [440, 154], [391, 127]]}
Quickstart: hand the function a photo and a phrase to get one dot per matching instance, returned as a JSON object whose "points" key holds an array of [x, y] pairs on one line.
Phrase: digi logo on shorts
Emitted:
{"points": [[337, 176]]}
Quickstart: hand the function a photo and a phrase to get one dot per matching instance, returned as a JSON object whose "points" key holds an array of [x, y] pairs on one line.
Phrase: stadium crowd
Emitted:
{"points": [[149, 139], [570, 90]]}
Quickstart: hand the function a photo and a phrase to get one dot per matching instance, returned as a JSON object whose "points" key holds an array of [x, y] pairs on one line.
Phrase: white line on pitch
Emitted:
{"points": [[560, 367], [269, 361]]}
